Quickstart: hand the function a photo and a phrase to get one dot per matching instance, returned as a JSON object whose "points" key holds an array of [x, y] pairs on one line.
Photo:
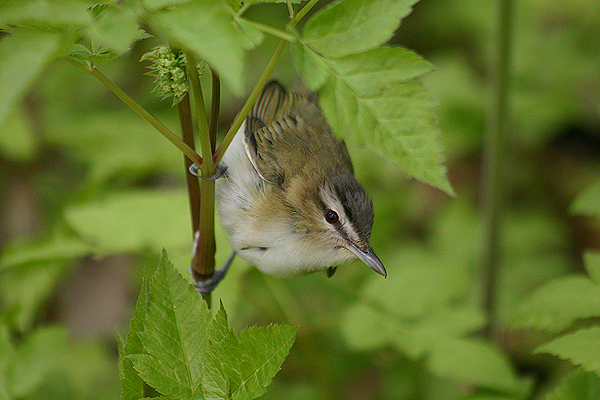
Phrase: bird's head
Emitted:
{"points": [[338, 214]]}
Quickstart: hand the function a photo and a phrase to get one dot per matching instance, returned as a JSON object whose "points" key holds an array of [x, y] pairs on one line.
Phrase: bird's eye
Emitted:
{"points": [[331, 217]]}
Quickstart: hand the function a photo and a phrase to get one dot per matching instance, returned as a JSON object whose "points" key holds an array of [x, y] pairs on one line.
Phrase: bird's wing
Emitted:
{"points": [[286, 131]]}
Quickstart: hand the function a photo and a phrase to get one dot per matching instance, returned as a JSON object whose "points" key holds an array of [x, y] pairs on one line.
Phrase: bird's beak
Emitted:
{"points": [[367, 255]]}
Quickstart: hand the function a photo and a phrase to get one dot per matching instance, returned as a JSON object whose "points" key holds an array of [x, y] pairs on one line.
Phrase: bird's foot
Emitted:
{"points": [[219, 171], [207, 285]]}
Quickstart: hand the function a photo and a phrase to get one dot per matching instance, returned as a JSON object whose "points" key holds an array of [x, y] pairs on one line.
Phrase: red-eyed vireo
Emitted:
{"points": [[288, 199]]}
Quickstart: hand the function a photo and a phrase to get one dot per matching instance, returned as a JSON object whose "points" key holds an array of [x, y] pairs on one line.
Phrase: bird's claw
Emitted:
{"points": [[206, 286], [219, 171]]}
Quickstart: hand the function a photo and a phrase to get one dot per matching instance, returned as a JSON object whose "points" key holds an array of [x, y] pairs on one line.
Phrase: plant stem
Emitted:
{"points": [[215, 105], [300, 14], [193, 186], [272, 31], [141, 111], [200, 113], [493, 172], [203, 261]]}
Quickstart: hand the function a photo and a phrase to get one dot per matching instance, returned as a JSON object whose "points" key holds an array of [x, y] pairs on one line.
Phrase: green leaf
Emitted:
{"points": [[7, 356], [581, 347], [592, 265], [207, 29], [23, 57], [18, 140], [579, 385], [248, 33], [175, 333], [353, 26], [59, 247], [57, 14], [41, 353], [155, 5], [243, 368], [558, 304], [252, 2], [116, 28], [426, 305], [249, 363], [30, 273], [133, 221], [371, 98], [109, 140], [472, 361], [96, 54], [588, 203], [132, 386]]}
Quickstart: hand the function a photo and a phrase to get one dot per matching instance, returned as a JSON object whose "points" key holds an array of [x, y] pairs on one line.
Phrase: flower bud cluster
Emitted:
{"points": [[168, 68]]}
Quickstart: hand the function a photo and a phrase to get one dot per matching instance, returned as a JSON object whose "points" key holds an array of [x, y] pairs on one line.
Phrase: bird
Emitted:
{"points": [[288, 199]]}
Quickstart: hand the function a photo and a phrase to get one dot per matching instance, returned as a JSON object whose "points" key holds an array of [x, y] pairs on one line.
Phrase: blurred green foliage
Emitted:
{"points": [[82, 175]]}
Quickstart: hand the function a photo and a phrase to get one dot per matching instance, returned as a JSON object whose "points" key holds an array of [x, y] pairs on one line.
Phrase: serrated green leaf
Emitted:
{"points": [[57, 14], [472, 361], [588, 202], [249, 363], [132, 221], [579, 385], [219, 328], [115, 29], [207, 29], [132, 385], [23, 57], [581, 347], [134, 344], [371, 98], [558, 304], [97, 55], [175, 332], [353, 26], [592, 265]]}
